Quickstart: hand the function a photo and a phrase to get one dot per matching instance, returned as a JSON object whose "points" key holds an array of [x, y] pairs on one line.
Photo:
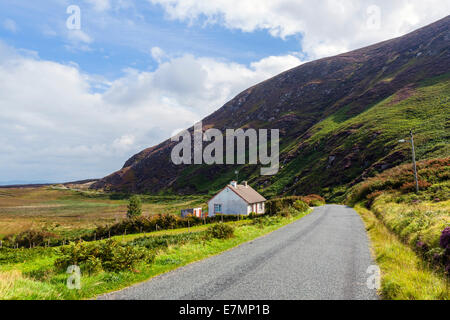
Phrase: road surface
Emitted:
{"points": [[324, 255]]}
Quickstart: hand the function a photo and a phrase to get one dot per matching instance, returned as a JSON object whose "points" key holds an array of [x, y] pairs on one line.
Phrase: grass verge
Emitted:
{"points": [[34, 275], [404, 275]]}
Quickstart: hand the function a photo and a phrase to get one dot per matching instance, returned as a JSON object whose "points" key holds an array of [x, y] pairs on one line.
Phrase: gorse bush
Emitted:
{"points": [[134, 207], [107, 255], [220, 231]]}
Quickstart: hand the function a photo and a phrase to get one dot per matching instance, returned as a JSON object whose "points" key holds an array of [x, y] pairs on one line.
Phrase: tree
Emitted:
{"points": [[134, 207]]}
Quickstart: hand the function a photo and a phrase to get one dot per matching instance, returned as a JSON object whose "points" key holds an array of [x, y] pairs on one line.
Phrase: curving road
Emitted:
{"points": [[325, 255]]}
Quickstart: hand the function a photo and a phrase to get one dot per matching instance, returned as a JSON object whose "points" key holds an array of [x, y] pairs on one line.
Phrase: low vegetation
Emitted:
{"points": [[408, 229], [220, 231], [112, 264], [276, 205], [404, 274], [134, 207], [99, 256], [70, 214]]}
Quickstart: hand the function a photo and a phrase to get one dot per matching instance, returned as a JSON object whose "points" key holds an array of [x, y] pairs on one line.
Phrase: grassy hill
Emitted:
{"points": [[407, 228], [348, 147], [340, 119]]}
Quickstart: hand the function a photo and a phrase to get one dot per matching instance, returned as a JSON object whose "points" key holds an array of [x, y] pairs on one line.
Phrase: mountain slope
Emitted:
{"points": [[339, 120]]}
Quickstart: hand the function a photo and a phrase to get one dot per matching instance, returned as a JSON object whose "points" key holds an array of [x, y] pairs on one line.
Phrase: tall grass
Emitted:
{"points": [[404, 275], [33, 276]]}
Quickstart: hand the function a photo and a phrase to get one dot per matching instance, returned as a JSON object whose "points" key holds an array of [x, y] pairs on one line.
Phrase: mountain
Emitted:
{"points": [[340, 119]]}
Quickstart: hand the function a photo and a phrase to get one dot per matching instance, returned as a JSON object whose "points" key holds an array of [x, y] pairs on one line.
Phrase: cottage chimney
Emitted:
{"points": [[233, 184], [245, 184]]}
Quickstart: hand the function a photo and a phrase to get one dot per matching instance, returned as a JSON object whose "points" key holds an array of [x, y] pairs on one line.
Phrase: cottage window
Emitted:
{"points": [[217, 208]]}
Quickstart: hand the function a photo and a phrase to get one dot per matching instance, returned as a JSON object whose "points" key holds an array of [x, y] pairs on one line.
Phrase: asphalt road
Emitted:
{"points": [[324, 255]]}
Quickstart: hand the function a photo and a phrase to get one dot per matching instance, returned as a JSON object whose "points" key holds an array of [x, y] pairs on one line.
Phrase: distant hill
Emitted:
{"points": [[340, 120]]}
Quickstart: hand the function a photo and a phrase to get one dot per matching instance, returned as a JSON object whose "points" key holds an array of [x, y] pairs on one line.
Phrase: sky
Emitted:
{"points": [[82, 90]]}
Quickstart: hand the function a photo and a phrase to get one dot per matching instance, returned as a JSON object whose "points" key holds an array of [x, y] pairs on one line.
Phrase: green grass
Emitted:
{"points": [[404, 275], [31, 274], [422, 221], [363, 138], [70, 213]]}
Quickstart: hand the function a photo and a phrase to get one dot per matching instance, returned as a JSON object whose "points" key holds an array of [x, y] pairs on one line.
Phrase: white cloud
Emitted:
{"points": [[56, 127], [100, 5], [78, 36], [10, 25], [328, 27], [157, 54]]}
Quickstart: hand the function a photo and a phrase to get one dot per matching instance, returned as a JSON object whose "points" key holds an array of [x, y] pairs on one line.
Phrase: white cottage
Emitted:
{"points": [[237, 200]]}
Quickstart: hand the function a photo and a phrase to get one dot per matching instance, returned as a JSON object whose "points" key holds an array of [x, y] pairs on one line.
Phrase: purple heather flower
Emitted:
{"points": [[445, 238]]}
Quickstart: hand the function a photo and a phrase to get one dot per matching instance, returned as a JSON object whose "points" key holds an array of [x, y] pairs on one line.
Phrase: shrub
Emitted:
{"points": [[108, 255], [313, 200], [31, 238], [301, 206], [274, 206], [423, 248], [411, 186], [220, 231], [163, 241], [444, 242], [433, 171], [266, 221], [277, 205], [134, 207], [371, 197]]}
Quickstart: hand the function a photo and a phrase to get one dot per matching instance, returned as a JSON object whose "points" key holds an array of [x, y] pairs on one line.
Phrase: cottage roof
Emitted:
{"points": [[247, 193]]}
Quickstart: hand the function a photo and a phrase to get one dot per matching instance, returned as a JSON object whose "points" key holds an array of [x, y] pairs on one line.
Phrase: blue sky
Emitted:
{"points": [[123, 38], [76, 104]]}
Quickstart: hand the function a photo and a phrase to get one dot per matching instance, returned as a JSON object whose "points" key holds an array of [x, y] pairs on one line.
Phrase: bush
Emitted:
{"points": [[30, 238], [371, 197], [220, 231], [277, 205], [411, 186], [266, 221], [431, 172], [164, 241], [313, 200], [301, 206], [108, 255], [444, 242], [134, 207]]}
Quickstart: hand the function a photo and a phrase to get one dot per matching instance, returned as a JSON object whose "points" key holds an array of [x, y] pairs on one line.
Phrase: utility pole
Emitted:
{"points": [[413, 158], [414, 161]]}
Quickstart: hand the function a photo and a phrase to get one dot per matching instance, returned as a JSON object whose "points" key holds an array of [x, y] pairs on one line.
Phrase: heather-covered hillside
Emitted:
{"points": [[340, 119]]}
